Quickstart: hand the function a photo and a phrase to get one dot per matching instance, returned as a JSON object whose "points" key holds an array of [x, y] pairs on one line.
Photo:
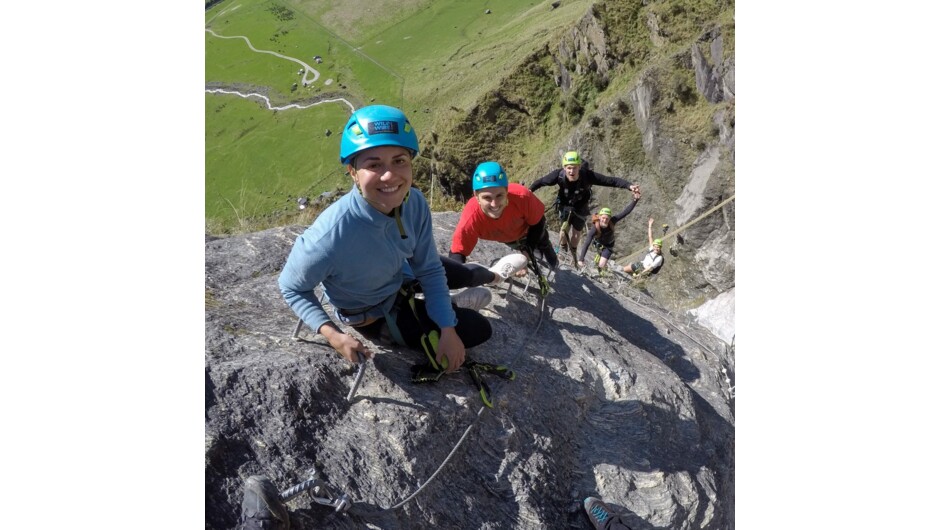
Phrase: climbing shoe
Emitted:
{"points": [[601, 516], [508, 265], [473, 298], [262, 508], [598, 512]]}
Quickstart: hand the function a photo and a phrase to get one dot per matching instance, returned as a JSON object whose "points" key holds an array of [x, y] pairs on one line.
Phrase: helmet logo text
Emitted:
{"points": [[383, 127]]}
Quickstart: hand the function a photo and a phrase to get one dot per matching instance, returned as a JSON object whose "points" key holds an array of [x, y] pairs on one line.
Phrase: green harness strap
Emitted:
{"points": [[429, 338], [432, 370], [534, 267]]}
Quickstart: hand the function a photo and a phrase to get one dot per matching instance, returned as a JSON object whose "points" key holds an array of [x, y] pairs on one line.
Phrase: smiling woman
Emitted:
{"points": [[375, 245], [377, 147]]}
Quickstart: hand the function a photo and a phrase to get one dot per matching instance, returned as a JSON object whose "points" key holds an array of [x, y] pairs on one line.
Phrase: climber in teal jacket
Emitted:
{"points": [[367, 244]]}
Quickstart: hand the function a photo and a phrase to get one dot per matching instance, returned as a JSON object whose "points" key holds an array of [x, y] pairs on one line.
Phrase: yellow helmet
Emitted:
{"points": [[571, 158]]}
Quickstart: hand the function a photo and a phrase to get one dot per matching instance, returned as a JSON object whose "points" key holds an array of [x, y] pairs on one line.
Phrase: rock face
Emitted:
{"points": [[612, 398], [585, 47], [684, 174]]}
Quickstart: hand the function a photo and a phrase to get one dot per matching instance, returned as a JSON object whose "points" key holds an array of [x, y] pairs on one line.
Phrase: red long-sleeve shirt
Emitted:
{"points": [[524, 210]]}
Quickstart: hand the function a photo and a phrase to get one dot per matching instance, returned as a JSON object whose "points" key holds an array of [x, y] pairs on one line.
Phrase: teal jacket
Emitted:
{"points": [[359, 255]]}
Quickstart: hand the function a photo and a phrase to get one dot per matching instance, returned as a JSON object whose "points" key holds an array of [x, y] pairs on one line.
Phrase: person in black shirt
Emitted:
{"points": [[574, 182]]}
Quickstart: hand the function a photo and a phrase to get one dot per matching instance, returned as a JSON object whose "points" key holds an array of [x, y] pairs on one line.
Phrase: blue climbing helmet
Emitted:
{"points": [[489, 175], [374, 126]]}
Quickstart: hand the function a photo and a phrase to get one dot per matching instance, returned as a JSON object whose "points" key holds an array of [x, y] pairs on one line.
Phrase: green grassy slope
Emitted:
{"points": [[261, 161]]}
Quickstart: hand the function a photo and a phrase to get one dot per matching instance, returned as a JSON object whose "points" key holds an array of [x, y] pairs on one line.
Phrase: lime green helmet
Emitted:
{"points": [[571, 158], [657, 242], [604, 211]]}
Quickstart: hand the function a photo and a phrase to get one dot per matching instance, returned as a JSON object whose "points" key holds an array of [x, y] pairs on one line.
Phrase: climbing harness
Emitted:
{"points": [[475, 369], [429, 337], [425, 373], [599, 249], [521, 246], [534, 266], [432, 370]]}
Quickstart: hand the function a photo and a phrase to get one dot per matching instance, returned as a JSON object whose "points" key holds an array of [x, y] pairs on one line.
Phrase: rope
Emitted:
{"points": [[683, 227], [431, 478], [674, 232], [462, 438]]}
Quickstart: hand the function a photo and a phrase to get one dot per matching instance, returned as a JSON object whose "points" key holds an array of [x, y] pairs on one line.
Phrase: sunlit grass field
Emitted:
{"points": [[427, 57]]}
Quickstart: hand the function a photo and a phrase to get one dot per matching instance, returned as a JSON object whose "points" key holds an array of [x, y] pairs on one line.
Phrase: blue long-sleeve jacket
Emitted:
{"points": [[357, 252]]}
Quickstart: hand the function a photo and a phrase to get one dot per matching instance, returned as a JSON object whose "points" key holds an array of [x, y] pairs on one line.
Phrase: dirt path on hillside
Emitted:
{"points": [[285, 107], [306, 81], [307, 68]]}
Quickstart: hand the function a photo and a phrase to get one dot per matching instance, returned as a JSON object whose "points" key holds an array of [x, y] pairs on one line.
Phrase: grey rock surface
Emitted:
{"points": [[613, 398]]}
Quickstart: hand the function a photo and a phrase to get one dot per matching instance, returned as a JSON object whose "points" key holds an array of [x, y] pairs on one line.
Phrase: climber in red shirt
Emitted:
{"points": [[501, 211]]}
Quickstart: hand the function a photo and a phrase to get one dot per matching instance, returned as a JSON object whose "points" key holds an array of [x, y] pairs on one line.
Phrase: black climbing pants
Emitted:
{"points": [[472, 327]]}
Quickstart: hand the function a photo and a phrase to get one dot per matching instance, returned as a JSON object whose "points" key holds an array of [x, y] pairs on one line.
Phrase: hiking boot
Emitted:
{"points": [[508, 265], [262, 508], [598, 512], [473, 298]]}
